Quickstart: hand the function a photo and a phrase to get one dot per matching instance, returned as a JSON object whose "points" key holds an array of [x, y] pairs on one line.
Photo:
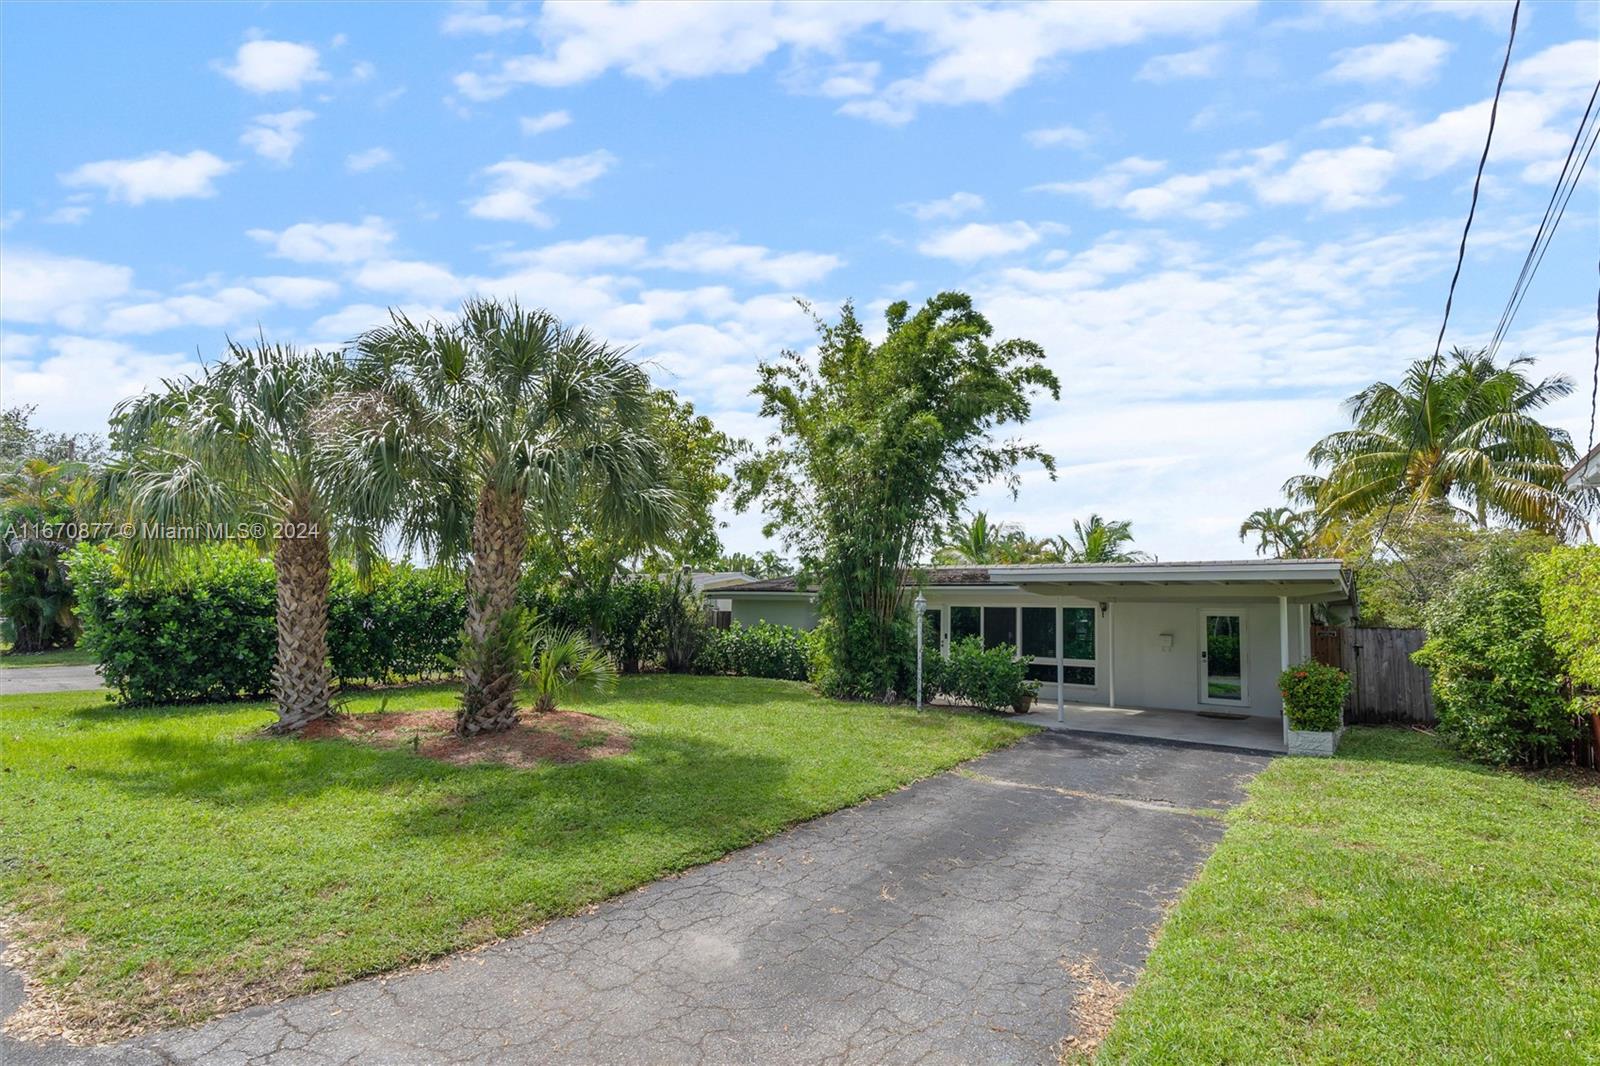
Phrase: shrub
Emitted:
{"points": [[628, 618], [405, 624], [1569, 596], [990, 680], [1496, 677], [206, 629], [1314, 695], [761, 650]]}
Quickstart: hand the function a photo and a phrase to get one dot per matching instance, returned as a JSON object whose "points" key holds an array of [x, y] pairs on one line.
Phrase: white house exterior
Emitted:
{"points": [[1205, 637], [1586, 474]]}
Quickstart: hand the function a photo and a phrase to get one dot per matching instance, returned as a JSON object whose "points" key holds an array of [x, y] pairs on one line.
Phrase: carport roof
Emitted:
{"points": [[1307, 580]]}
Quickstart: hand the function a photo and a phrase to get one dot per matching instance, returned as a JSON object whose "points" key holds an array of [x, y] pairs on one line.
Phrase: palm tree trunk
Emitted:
{"points": [[300, 678], [489, 702]]}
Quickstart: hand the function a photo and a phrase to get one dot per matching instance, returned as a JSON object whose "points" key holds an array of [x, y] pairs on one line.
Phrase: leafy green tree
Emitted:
{"points": [[1496, 677], [877, 446], [1458, 432], [1420, 559], [475, 434], [764, 564], [1101, 541], [1569, 594], [20, 440], [979, 542], [40, 504], [239, 447], [1281, 532]]}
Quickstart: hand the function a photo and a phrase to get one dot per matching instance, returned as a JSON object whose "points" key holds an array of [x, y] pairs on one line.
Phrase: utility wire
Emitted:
{"points": [[1546, 231], [1556, 221], [1449, 300], [1594, 388]]}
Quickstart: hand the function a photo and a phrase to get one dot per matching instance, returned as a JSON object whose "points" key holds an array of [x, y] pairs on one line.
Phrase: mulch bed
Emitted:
{"points": [[557, 737]]}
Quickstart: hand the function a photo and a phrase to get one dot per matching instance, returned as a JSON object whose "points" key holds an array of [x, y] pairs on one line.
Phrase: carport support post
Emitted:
{"points": [[1283, 654]]}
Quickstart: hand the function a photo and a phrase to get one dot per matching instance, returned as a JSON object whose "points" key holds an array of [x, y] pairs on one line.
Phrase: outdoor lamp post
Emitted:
{"points": [[920, 605]]}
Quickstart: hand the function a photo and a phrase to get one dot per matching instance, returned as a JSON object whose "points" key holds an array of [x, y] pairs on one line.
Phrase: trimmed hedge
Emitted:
{"points": [[761, 650], [991, 680], [206, 630], [1314, 695]]}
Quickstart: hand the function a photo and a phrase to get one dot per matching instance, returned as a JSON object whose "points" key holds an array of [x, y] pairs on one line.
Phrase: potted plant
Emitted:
{"points": [[1313, 705], [1023, 700]]}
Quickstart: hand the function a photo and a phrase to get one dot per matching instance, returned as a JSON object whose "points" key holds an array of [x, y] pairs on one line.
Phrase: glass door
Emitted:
{"points": [[1222, 658]]}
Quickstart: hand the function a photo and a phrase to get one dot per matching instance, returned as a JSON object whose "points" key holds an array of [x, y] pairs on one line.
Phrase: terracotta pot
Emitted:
{"points": [[1022, 703]]}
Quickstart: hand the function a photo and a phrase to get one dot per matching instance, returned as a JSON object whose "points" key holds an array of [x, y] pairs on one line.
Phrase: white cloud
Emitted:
{"points": [[1110, 185], [1560, 68], [229, 306], [82, 378], [1337, 179], [1377, 113], [41, 287], [550, 120], [412, 279], [329, 242], [296, 291], [158, 176], [1050, 136], [369, 159], [1198, 63], [70, 214], [953, 206], [1411, 60], [275, 66], [976, 54], [980, 240], [574, 257], [517, 188], [275, 137], [471, 16], [714, 253]]}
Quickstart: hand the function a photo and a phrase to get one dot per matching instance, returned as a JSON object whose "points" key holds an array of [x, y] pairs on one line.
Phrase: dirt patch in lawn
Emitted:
{"points": [[559, 737], [1094, 1008]]}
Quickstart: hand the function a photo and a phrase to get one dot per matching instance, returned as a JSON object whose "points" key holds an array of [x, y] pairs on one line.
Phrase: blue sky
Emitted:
{"points": [[1219, 220]]}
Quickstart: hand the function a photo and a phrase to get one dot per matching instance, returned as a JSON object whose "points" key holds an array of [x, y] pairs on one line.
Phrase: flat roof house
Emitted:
{"points": [[1109, 641], [1586, 473]]}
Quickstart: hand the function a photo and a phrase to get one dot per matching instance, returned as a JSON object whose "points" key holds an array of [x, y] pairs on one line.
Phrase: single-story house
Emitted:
{"points": [[1206, 637], [1586, 474]]}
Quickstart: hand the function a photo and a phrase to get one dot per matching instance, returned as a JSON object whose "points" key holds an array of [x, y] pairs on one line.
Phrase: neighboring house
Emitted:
{"points": [[707, 583], [1586, 475], [1202, 636]]}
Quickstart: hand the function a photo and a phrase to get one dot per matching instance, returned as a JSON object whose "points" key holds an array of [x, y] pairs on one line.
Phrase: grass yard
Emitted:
{"points": [[11, 660], [1393, 905], [166, 864]]}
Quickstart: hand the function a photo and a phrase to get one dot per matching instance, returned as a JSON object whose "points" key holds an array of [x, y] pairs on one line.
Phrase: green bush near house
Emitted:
{"points": [[1569, 594], [761, 650], [1314, 695], [1496, 675], [990, 679]]}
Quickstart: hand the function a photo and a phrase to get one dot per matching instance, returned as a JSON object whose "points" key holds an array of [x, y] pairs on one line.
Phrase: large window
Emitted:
{"points": [[1046, 635]]}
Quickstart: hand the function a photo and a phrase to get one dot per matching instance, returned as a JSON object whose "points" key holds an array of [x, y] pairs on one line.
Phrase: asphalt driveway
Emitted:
{"points": [[936, 924], [21, 679]]}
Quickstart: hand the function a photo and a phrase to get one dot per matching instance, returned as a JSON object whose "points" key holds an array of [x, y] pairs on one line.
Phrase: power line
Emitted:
{"points": [[1594, 389], [1450, 296], [1546, 231]]}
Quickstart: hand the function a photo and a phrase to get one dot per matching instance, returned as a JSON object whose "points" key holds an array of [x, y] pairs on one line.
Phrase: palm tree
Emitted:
{"points": [[565, 662], [467, 432], [1100, 541], [978, 542], [238, 448], [40, 503], [1458, 433], [1281, 531]]}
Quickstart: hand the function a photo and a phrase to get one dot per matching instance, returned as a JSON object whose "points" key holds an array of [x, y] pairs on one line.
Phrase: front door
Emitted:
{"points": [[1223, 658]]}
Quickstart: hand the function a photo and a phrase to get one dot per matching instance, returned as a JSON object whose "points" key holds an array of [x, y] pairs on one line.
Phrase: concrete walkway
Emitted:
{"points": [[1253, 733], [22, 679], [936, 924]]}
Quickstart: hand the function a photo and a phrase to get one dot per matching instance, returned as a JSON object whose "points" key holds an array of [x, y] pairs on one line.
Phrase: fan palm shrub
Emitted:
{"points": [[470, 434], [235, 452], [564, 663]]}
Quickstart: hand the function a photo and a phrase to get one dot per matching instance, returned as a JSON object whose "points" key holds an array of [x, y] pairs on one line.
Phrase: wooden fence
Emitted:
{"points": [[1387, 687]]}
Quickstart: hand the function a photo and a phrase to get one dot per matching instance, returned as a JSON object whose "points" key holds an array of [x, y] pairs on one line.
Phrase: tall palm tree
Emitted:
{"points": [[1280, 531], [466, 432], [237, 447], [975, 542], [1458, 433], [1100, 541]]}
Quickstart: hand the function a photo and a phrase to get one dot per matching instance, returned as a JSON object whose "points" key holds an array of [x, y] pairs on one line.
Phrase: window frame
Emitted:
{"points": [[1043, 660]]}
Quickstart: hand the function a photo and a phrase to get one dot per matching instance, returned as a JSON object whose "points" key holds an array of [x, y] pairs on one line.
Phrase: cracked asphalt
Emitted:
{"points": [[934, 924]]}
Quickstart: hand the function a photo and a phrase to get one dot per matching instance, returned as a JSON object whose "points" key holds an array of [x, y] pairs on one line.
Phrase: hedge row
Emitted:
{"points": [[206, 630]]}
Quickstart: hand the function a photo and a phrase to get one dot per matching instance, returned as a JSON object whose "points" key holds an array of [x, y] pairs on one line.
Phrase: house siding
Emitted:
{"points": [[786, 610]]}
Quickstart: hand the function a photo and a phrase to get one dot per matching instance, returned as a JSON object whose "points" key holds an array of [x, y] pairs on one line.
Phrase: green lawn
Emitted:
{"points": [[11, 660], [1393, 905], [170, 863]]}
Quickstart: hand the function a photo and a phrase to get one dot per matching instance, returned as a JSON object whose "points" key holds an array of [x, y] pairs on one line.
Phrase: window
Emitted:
{"points": [[1000, 627], [932, 619], [1039, 632], [963, 622], [1077, 638]]}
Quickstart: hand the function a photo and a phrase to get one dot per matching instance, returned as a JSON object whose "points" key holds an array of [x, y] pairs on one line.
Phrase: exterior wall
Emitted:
{"points": [[1128, 639], [781, 610]]}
